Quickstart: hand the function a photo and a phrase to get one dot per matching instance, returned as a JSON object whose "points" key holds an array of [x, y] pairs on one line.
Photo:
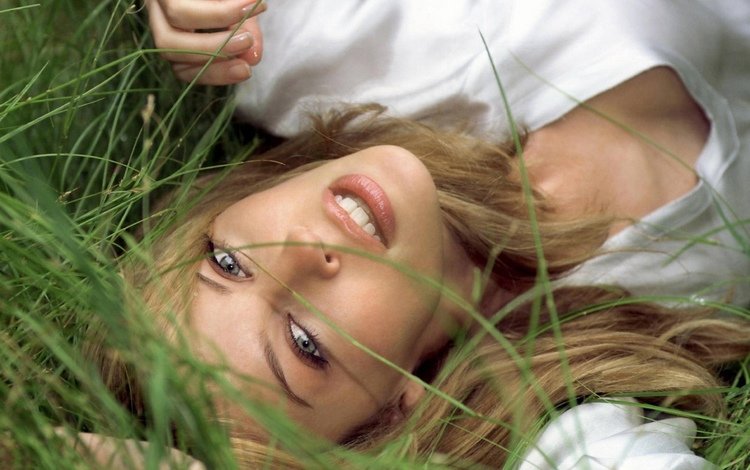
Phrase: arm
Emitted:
{"points": [[205, 26]]}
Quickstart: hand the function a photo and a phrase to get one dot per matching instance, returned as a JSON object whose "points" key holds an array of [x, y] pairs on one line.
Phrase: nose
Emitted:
{"points": [[305, 256]]}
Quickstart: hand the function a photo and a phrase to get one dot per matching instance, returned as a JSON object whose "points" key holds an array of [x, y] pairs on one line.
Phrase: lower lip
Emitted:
{"points": [[369, 191]]}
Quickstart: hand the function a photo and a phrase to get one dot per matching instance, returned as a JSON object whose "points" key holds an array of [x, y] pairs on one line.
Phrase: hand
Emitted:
{"points": [[183, 24]]}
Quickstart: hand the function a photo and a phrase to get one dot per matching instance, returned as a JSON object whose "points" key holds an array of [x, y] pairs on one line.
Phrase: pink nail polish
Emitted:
{"points": [[240, 71], [254, 8], [239, 42]]}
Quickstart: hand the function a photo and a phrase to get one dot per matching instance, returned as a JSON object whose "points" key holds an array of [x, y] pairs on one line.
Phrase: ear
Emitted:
{"points": [[398, 411], [411, 395]]}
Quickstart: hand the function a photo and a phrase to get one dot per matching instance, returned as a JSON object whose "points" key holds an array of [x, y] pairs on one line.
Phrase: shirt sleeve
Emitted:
{"points": [[607, 436]]}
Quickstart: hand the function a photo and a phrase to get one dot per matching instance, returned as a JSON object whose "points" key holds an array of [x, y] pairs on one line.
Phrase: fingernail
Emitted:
{"points": [[239, 42], [252, 57], [254, 8], [240, 71]]}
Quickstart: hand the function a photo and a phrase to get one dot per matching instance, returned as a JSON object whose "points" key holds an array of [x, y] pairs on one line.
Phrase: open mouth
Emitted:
{"points": [[363, 208]]}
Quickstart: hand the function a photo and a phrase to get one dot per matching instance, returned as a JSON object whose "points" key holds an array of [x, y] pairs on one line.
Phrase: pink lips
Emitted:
{"points": [[373, 195]]}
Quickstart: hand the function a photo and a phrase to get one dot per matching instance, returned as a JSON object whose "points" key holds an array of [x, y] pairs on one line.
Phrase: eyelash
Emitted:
{"points": [[316, 361], [211, 254]]}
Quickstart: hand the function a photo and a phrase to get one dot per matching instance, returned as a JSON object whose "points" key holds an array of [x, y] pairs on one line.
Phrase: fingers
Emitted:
{"points": [[208, 43], [168, 37], [176, 27], [208, 14], [220, 72]]}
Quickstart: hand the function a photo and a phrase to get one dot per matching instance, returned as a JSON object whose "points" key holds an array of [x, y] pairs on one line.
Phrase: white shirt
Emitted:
{"points": [[426, 60]]}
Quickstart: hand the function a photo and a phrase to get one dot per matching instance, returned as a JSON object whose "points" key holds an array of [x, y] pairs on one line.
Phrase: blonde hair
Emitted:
{"points": [[614, 348], [619, 347]]}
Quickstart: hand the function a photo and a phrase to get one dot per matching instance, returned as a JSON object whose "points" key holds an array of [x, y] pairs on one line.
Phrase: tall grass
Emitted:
{"points": [[93, 129]]}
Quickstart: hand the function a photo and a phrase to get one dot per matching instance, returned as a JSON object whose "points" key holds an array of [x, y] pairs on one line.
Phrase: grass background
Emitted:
{"points": [[93, 128]]}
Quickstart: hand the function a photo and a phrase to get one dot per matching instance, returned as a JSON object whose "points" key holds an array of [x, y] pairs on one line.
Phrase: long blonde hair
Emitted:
{"points": [[613, 347], [618, 347]]}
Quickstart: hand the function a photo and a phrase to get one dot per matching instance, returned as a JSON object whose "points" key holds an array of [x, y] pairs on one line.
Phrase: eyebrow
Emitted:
{"points": [[273, 364], [222, 289]]}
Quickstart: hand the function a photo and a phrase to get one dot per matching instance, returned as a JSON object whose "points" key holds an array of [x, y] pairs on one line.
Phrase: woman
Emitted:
{"points": [[329, 316], [565, 240], [665, 148]]}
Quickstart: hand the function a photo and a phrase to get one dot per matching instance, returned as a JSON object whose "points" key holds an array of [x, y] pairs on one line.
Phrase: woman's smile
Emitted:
{"points": [[359, 199]]}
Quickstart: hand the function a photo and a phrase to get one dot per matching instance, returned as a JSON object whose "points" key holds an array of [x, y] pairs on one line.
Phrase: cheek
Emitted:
{"points": [[390, 321]]}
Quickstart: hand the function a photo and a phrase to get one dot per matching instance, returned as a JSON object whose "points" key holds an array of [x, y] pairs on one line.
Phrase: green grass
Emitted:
{"points": [[93, 129]]}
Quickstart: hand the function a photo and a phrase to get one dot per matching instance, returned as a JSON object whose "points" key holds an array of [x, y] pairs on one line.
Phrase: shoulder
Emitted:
{"points": [[606, 435]]}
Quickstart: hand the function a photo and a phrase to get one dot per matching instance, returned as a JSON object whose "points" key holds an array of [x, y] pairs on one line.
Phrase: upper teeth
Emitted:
{"points": [[358, 211]]}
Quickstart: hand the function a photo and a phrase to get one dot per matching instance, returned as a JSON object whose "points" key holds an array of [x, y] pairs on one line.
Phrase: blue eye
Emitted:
{"points": [[302, 340], [304, 345], [226, 262]]}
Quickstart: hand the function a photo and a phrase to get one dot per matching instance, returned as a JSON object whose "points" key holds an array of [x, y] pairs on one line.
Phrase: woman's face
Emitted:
{"points": [[344, 225]]}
